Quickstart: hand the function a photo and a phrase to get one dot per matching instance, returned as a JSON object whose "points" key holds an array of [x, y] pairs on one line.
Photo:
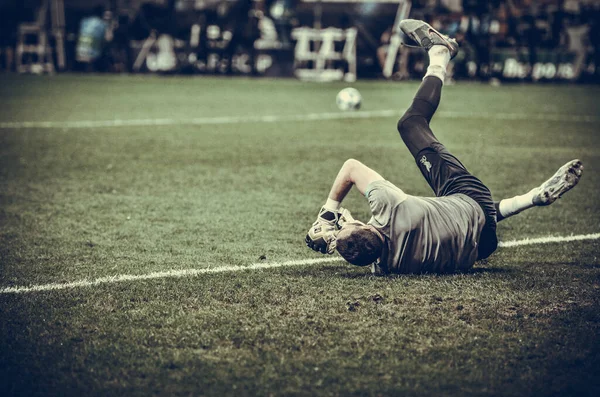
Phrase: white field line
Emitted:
{"points": [[298, 117], [165, 274], [254, 266], [548, 240]]}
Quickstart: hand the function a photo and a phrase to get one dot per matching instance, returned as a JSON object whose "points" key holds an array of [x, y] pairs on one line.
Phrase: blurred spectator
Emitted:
{"points": [[476, 25], [8, 35], [576, 31], [119, 48], [403, 54], [282, 13], [501, 33], [557, 16], [240, 27], [594, 38], [92, 38], [526, 15]]}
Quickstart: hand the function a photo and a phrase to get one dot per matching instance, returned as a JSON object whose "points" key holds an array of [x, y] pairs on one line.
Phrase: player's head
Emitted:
{"points": [[359, 244]]}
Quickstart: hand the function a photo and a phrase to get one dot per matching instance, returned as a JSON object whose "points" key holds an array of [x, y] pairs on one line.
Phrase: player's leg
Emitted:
{"points": [[548, 192], [444, 173], [414, 125], [437, 165]]}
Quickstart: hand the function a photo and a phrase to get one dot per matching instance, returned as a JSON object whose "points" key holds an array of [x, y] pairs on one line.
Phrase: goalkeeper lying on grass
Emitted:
{"points": [[408, 234]]}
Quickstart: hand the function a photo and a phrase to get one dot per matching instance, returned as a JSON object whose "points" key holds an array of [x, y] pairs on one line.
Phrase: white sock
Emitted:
{"points": [[512, 206], [439, 56], [332, 205]]}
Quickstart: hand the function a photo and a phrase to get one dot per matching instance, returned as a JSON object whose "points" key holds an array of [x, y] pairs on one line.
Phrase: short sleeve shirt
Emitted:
{"points": [[424, 234]]}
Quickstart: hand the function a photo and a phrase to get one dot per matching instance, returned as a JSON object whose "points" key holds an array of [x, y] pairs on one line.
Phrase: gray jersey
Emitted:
{"points": [[424, 234]]}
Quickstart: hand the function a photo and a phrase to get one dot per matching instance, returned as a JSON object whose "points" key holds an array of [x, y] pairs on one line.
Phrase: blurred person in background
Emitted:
{"points": [[557, 16], [593, 13], [93, 34], [240, 25], [476, 26], [576, 34], [402, 57], [499, 31], [162, 24], [9, 22], [119, 47], [526, 14], [282, 12]]}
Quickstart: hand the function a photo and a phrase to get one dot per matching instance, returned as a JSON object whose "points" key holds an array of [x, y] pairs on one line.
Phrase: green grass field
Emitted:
{"points": [[85, 201]]}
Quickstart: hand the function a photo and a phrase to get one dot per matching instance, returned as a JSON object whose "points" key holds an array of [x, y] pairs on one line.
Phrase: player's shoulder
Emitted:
{"points": [[384, 197]]}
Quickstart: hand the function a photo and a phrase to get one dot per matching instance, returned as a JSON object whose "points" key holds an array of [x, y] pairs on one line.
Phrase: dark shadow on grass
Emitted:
{"points": [[477, 270], [492, 270], [590, 266], [348, 271]]}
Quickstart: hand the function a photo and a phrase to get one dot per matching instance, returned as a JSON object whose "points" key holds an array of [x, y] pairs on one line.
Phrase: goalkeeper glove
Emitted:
{"points": [[344, 217], [321, 235]]}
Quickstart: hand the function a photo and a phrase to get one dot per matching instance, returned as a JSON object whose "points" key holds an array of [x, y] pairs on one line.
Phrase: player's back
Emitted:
{"points": [[423, 234]]}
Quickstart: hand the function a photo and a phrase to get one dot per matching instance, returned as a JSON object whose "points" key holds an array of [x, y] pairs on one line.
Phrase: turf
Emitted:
{"points": [[84, 203]]}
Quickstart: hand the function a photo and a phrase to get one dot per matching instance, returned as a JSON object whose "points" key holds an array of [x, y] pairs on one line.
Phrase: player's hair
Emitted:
{"points": [[360, 246]]}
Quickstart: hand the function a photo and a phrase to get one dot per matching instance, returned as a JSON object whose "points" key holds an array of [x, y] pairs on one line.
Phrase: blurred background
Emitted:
{"points": [[323, 40]]}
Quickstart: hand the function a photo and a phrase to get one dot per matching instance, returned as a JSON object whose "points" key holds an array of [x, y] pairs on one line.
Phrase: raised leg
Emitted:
{"points": [[414, 124], [548, 192]]}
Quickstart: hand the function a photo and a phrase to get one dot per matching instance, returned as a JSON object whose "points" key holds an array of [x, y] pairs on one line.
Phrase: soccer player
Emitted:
{"points": [[408, 234]]}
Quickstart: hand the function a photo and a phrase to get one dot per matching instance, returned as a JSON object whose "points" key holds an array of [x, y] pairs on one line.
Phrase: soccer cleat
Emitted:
{"points": [[427, 37], [563, 180]]}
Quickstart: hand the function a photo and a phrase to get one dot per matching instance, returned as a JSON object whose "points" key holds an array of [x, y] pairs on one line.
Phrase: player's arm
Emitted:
{"points": [[321, 236], [352, 173]]}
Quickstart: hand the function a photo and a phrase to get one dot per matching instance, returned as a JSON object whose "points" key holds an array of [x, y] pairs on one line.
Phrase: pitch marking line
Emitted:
{"points": [[253, 266], [165, 274], [547, 240], [299, 117]]}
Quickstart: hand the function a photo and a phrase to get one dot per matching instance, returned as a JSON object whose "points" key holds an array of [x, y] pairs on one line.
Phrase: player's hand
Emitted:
{"points": [[327, 216], [321, 237], [345, 217]]}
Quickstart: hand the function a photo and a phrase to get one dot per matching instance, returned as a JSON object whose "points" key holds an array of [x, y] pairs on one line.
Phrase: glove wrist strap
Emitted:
{"points": [[332, 205]]}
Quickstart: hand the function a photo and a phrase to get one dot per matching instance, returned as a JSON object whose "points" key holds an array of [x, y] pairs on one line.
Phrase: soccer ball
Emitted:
{"points": [[348, 99]]}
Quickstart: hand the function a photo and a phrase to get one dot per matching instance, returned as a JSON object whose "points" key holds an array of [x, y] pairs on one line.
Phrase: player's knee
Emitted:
{"points": [[409, 124]]}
